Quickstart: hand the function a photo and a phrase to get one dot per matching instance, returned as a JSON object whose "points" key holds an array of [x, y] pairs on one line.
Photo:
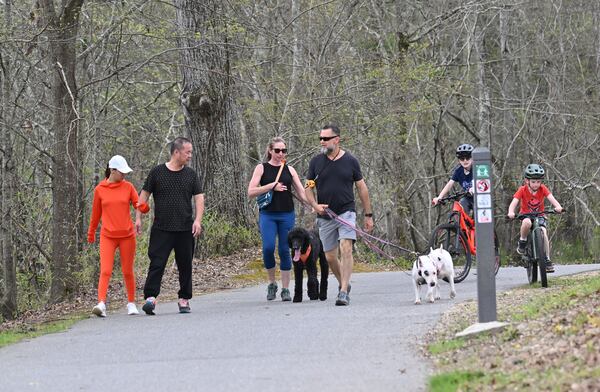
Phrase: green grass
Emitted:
{"points": [[571, 289], [256, 272], [450, 382], [446, 345], [16, 335]]}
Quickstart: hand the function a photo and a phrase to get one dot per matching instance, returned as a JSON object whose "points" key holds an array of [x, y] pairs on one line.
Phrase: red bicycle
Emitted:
{"points": [[457, 236]]}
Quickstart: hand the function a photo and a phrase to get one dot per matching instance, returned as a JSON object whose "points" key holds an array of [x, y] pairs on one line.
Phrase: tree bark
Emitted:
{"points": [[62, 30], [8, 293], [208, 105]]}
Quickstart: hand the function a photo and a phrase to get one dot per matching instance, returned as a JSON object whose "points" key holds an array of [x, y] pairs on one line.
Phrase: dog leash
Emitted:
{"points": [[367, 238], [366, 235]]}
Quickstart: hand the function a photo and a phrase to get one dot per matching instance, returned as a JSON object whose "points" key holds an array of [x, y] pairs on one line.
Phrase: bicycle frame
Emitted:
{"points": [[466, 224]]}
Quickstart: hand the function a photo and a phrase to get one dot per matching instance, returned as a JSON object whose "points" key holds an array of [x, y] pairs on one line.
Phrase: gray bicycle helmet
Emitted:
{"points": [[533, 171], [464, 151]]}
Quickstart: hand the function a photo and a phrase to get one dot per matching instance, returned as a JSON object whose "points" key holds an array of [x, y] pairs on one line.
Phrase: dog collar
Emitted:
{"points": [[304, 256]]}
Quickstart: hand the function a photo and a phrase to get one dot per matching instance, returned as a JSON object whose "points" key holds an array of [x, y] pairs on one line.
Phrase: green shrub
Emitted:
{"points": [[221, 237]]}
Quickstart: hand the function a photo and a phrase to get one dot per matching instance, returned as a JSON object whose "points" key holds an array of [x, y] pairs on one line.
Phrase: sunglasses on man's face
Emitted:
{"points": [[278, 150], [326, 138]]}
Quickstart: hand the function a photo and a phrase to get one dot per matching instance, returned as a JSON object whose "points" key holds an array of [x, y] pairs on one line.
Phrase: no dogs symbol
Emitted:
{"points": [[483, 186]]}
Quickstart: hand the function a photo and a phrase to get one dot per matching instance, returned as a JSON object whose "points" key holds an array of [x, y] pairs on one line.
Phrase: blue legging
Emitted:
{"points": [[276, 224]]}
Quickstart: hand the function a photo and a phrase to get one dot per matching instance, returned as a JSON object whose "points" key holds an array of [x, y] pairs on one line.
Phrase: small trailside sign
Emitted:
{"points": [[482, 171]]}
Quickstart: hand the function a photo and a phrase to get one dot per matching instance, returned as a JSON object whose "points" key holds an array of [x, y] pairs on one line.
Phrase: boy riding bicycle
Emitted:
{"points": [[531, 196], [463, 175]]}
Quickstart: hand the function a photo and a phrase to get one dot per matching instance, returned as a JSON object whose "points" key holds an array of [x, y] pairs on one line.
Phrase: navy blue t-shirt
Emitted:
{"points": [[463, 179], [335, 181]]}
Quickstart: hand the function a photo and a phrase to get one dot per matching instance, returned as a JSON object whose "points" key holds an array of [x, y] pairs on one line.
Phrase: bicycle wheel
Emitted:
{"points": [[531, 270], [453, 240], [540, 254]]}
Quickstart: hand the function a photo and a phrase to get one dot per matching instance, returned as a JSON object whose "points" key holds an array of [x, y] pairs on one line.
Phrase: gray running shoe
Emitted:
{"points": [[285, 295], [342, 299], [349, 288], [271, 291]]}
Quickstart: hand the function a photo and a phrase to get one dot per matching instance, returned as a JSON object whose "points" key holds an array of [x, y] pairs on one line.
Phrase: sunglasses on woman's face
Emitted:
{"points": [[278, 150], [327, 138]]}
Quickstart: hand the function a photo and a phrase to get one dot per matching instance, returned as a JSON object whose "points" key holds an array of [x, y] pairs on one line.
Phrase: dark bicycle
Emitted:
{"points": [[535, 251], [458, 237]]}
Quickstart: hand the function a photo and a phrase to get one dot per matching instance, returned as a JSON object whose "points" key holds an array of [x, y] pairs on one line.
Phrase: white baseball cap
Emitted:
{"points": [[119, 163]]}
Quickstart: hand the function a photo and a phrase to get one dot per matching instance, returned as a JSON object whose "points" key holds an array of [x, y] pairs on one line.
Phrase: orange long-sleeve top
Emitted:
{"points": [[111, 204]]}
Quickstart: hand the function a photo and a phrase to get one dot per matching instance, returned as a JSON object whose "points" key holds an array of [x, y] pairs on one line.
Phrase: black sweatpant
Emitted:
{"points": [[160, 247]]}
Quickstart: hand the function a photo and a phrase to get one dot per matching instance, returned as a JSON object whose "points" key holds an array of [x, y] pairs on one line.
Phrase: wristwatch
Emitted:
{"points": [[369, 215]]}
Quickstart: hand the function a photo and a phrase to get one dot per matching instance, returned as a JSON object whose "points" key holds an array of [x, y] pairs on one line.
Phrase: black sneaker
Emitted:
{"points": [[271, 291], [549, 267], [184, 305], [342, 299], [149, 306], [522, 248]]}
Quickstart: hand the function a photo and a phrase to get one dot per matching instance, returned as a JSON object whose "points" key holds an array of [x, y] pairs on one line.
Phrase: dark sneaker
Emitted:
{"points": [[149, 306], [285, 295], [342, 299], [184, 305], [549, 266], [271, 291], [521, 249]]}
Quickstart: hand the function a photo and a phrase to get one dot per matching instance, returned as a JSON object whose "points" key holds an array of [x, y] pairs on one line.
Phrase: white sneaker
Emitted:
{"points": [[99, 310], [131, 308]]}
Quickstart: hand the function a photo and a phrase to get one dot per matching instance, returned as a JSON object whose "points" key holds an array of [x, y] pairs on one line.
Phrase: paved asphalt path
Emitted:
{"points": [[237, 341]]}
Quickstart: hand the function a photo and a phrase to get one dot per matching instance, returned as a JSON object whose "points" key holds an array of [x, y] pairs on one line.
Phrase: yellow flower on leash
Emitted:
{"points": [[310, 184]]}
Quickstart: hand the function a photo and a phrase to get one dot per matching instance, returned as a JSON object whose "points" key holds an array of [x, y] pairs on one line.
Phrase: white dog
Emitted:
{"points": [[428, 269]]}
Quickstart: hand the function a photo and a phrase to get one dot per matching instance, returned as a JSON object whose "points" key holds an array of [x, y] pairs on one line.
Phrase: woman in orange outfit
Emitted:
{"points": [[112, 198]]}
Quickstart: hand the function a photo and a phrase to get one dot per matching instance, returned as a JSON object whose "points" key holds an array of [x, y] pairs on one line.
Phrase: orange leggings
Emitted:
{"points": [[108, 247]]}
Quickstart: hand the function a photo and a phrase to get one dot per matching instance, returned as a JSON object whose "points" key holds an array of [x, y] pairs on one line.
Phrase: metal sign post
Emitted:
{"points": [[484, 233]]}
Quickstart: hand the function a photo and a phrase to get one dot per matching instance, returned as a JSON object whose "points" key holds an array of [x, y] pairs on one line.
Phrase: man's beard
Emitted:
{"points": [[327, 150]]}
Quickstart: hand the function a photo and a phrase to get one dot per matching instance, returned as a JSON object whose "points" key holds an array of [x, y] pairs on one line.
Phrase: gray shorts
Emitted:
{"points": [[332, 231]]}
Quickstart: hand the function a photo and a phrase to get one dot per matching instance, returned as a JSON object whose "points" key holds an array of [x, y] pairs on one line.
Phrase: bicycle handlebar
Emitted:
{"points": [[453, 197], [537, 213]]}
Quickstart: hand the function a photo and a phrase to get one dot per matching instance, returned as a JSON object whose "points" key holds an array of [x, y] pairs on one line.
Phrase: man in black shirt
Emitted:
{"points": [[173, 185], [334, 173]]}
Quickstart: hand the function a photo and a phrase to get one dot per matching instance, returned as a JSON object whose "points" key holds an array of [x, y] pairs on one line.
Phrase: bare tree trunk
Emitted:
{"points": [[8, 293], [207, 104], [62, 28]]}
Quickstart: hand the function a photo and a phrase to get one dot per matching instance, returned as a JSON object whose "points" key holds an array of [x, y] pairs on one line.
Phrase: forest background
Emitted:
{"points": [[406, 80]]}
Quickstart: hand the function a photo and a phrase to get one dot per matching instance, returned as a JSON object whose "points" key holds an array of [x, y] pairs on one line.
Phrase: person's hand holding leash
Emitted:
{"points": [[320, 209], [369, 224]]}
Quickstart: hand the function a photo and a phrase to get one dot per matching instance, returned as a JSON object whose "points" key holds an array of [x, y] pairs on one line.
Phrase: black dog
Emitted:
{"points": [[306, 247]]}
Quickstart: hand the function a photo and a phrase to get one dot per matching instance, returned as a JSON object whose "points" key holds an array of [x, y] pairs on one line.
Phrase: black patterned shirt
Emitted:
{"points": [[173, 192]]}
